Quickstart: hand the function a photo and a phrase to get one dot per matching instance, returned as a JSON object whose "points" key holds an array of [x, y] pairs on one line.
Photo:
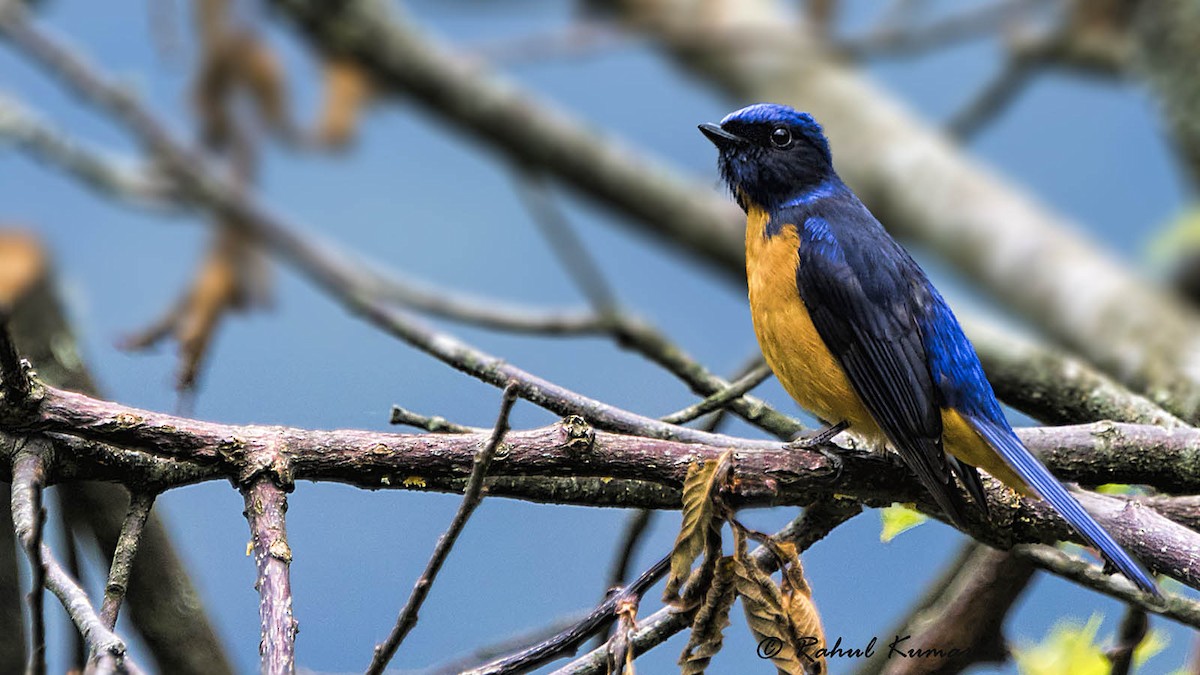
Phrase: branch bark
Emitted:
{"points": [[266, 504], [164, 606]]}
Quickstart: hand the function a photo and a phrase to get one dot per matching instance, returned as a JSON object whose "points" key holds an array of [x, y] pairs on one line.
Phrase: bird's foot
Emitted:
{"points": [[818, 441], [813, 439]]}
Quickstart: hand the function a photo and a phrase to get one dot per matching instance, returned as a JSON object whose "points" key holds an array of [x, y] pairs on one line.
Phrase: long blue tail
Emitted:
{"points": [[1002, 438]]}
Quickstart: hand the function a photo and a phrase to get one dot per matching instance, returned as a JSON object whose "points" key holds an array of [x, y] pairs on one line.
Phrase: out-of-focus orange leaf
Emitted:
{"points": [[231, 278], [239, 62], [22, 263], [347, 90]]}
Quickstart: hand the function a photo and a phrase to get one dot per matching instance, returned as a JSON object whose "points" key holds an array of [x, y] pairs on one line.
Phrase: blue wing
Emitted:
{"points": [[860, 289]]}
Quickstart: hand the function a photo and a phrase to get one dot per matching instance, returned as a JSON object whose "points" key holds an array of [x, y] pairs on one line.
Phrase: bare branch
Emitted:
{"points": [[1055, 387], [14, 383], [471, 498], [432, 424], [576, 261], [992, 99], [120, 178], [105, 649], [894, 38], [722, 398], [1134, 628], [568, 640], [123, 555], [1091, 576], [969, 615], [29, 518], [266, 504]]}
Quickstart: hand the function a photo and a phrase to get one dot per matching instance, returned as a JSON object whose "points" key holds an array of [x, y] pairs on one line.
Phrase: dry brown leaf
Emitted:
{"points": [[212, 18], [710, 621], [620, 649], [231, 277], [699, 511], [799, 605], [347, 91], [239, 62], [767, 614], [22, 264]]}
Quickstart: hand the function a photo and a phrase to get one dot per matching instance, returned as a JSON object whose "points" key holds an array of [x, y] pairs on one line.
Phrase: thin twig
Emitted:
{"points": [[433, 424], [631, 535], [1091, 576], [141, 187], [722, 398], [514, 643], [576, 261], [123, 555], [75, 568], [28, 519], [1134, 628], [471, 499], [568, 640], [993, 98]]}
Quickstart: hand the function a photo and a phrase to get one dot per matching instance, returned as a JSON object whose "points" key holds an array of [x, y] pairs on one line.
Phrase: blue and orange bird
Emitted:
{"points": [[858, 335]]}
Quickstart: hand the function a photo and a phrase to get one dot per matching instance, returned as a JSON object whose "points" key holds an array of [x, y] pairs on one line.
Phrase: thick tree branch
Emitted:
{"points": [[768, 474]]}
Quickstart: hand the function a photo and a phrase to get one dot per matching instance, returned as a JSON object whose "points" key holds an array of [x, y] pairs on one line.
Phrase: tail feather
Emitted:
{"points": [[1046, 486]]}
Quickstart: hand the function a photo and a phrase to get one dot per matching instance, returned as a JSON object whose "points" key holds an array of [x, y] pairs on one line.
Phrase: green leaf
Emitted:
{"points": [[1182, 234], [1069, 649], [897, 519]]}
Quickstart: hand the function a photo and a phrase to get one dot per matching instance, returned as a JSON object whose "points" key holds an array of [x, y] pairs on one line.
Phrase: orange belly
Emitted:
{"points": [[807, 369], [789, 340]]}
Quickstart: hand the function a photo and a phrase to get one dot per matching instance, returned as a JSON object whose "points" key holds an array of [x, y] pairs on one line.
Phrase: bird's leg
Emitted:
{"points": [[812, 440], [818, 440]]}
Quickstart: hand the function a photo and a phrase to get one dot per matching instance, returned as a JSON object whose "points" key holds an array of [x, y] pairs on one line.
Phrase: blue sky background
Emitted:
{"points": [[413, 194]]}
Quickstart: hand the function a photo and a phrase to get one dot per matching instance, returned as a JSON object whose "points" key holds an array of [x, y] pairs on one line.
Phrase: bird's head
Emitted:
{"points": [[770, 154]]}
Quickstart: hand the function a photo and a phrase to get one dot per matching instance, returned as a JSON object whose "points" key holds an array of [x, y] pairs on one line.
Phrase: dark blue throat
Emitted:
{"points": [[756, 178]]}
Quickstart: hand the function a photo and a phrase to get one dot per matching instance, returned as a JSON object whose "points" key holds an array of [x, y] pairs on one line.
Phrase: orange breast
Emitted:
{"points": [[789, 341]]}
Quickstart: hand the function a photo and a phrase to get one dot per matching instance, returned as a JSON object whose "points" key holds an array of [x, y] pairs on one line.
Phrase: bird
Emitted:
{"points": [[858, 335]]}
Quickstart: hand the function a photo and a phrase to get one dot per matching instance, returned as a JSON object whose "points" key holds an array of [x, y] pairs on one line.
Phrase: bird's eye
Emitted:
{"points": [[781, 137]]}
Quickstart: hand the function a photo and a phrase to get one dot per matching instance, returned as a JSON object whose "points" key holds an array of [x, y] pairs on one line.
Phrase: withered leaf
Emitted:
{"points": [[798, 603], [231, 277], [22, 264], [347, 91], [710, 621], [699, 508], [769, 618]]}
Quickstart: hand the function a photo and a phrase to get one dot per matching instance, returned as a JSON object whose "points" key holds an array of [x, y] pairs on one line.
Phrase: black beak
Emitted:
{"points": [[720, 138]]}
